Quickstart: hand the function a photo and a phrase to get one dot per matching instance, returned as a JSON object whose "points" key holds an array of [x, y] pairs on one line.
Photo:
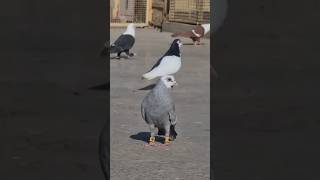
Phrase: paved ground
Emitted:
{"points": [[188, 157]]}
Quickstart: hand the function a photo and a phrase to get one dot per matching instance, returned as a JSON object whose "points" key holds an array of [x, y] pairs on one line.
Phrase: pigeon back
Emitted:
{"points": [[158, 102], [124, 42]]}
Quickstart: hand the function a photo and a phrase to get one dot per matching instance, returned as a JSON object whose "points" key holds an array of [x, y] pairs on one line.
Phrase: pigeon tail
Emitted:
{"points": [[206, 28], [148, 76], [173, 133]]}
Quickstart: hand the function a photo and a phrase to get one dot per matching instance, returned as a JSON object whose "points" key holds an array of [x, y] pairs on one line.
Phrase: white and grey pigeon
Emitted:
{"points": [[158, 110], [168, 64], [124, 42]]}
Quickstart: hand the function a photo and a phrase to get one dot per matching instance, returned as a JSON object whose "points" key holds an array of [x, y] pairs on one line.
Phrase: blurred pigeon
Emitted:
{"points": [[195, 34], [158, 110], [124, 42], [168, 64]]}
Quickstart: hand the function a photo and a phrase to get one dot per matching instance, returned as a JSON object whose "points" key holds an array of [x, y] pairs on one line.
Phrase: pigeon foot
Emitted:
{"points": [[152, 140], [196, 43], [166, 140], [171, 138]]}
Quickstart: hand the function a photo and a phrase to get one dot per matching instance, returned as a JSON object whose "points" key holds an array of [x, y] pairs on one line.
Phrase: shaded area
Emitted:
{"points": [[121, 57], [189, 44], [141, 136], [49, 51], [104, 149], [144, 136], [265, 103], [148, 87], [101, 87]]}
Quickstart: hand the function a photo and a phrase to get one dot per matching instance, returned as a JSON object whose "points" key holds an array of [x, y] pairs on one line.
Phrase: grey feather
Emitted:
{"points": [[158, 109], [123, 43]]}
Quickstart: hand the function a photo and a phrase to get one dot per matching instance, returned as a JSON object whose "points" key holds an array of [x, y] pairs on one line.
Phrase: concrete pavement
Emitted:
{"points": [[188, 157]]}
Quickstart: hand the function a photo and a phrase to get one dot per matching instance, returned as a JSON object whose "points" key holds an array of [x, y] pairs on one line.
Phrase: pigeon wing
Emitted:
{"points": [[168, 63], [156, 64], [173, 120], [124, 42], [173, 116]]}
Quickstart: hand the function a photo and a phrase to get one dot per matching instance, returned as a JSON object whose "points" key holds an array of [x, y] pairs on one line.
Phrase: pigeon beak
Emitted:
{"points": [[175, 83]]}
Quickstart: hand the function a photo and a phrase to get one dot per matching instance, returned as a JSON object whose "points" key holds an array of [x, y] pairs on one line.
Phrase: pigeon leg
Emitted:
{"points": [[118, 55], [196, 43], [152, 139], [129, 54], [166, 137]]}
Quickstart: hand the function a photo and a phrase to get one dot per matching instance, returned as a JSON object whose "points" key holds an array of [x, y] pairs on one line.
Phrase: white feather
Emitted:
{"points": [[168, 65], [130, 30], [196, 34], [206, 28]]}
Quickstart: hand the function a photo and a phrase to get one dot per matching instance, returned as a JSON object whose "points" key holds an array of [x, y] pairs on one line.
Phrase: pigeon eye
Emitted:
{"points": [[169, 79]]}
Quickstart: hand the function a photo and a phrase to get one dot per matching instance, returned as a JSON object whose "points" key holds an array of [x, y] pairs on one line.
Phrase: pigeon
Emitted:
{"points": [[124, 42], [158, 110], [195, 34], [168, 64]]}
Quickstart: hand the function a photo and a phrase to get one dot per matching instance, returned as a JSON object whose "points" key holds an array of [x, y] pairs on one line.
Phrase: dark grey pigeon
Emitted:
{"points": [[158, 110], [124, 43]]}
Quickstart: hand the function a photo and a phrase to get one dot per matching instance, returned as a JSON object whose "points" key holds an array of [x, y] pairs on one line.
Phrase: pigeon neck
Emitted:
{"points": [[160, 85], [130, 31], [162, 93], [173, 51]]}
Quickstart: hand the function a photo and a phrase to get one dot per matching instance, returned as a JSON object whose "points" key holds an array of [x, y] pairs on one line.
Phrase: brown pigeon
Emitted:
{"points": [[195, 34]]}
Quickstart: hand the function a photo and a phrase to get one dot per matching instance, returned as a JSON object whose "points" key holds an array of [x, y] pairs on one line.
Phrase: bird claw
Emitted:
{"points": [[152, 140], [132, 54], [166, 140], [171, 138]]}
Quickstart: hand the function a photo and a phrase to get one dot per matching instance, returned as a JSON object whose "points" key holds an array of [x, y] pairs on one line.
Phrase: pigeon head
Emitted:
{"points": [[177, 42], [169, 81], [174, 48], [206, 28], [130, 30]]}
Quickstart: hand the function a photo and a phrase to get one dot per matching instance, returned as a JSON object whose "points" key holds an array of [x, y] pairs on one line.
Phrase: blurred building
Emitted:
{"points": [[158, 12]]}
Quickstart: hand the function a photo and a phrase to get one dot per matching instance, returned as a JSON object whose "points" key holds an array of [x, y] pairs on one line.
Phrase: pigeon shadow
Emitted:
{"points": [[149, 87], [121, 58], [141, 136], [101, 87], [189, 44], [144, 136]]}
